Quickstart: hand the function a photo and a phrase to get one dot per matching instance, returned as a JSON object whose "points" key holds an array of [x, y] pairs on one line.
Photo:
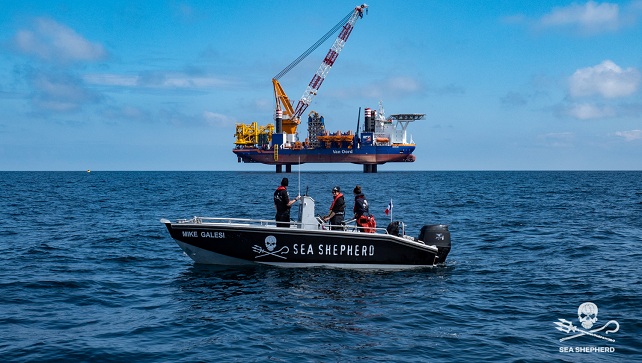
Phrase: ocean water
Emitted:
{"points": [[89, 273]]}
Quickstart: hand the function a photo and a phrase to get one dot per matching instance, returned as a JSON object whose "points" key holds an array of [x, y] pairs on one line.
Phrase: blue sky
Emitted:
{"points": [[159, 85]]}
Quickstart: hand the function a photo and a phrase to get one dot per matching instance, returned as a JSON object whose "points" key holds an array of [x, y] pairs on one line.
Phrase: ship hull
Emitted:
{"points": [[364, 155], [291, 247]]}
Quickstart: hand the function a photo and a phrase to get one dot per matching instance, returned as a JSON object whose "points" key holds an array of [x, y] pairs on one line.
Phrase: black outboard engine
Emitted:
{"points": [[438, 235], [396, 228]]}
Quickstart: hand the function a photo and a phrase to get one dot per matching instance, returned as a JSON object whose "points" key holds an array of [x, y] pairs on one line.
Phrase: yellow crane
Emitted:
{"points": [[248, 135], [292, 116]]}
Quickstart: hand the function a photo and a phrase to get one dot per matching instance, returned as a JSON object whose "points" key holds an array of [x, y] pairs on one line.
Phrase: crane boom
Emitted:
{"points": [[328, 61]]}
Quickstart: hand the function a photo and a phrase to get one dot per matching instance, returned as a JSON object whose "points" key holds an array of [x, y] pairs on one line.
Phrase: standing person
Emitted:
{"points": [[282, 203], [365, 221], [360, 209], [337, 209]]}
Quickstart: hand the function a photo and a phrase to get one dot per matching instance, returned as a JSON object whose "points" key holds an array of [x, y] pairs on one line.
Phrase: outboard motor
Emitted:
{"points": [[438, 235], [396, 228]]}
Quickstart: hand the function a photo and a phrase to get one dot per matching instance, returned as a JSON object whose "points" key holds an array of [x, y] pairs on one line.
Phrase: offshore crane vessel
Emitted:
{"points": [[379, 141]]}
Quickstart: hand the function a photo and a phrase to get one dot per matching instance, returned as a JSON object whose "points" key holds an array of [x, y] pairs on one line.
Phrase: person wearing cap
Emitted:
{"points": [[282, 203], [337, 209]]}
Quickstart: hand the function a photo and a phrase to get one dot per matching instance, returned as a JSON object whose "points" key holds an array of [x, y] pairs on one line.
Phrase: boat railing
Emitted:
{"points": [[348, 226], [232, 221], [351, 226]]}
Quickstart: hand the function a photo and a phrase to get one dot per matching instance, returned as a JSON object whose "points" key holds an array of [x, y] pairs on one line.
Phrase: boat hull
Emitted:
{"points": [[363, 155], [230, 244]]}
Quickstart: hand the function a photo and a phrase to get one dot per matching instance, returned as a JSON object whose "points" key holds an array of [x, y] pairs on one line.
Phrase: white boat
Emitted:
{"points": [[308, 242]]}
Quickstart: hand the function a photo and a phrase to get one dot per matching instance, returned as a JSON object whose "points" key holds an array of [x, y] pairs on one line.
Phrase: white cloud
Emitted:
{"points": [[558, 139], [393, 87], [165, 80], [591, 17], [514, 99], [55, 42], [185, 81], [588, 111], [128, 113], [606, 79], [403, 85], [60, 92], [111, 80], [217, 119], [630, 135]]}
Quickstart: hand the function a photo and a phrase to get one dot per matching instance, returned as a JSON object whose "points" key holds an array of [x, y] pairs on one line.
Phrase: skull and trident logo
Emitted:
{"points": [[587, 316], [270, 244]]}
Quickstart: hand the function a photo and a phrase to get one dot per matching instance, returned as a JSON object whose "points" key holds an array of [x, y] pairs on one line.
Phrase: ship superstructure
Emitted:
{"points": [[380, 140]]}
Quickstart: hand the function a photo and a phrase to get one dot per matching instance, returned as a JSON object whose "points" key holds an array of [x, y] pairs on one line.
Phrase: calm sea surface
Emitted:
{"points": [[89, 273]]}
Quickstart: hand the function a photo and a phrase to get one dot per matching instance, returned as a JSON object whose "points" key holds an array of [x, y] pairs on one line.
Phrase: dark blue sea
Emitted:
{"points": [[88, 273]]}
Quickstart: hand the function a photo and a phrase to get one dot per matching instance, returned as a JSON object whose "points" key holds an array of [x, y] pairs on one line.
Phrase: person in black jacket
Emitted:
{"points": [[282, 203], [337, 209], [361, 211]]}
